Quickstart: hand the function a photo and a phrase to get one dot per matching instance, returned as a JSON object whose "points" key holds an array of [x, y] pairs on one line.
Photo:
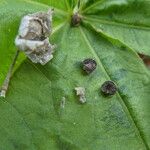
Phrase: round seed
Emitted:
{"points": [[108, 88], [76, 20], [89, 65]]}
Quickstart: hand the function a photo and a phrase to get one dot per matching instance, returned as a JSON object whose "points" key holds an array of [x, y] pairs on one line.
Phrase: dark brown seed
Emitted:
{"points": [[89, 65], [108, 88], [76, 19]]}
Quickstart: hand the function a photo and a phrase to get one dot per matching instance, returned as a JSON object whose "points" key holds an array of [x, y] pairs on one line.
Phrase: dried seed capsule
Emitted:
{"points": [[108, 88], [89, 65], [37, 25], [33, 37]]}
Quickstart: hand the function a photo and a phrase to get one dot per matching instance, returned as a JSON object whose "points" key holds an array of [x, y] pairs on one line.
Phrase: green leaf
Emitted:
{"points": [[62, 4], [32, 117], [126, 20]]}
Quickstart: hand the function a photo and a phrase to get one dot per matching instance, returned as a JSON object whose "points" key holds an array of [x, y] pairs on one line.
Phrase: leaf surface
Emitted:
{"points": [[126, 20], [32, 116]]}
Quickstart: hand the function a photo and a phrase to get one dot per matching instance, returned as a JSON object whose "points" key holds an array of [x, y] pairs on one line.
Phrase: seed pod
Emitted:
{"points": [[108, 88], [89, 65]]}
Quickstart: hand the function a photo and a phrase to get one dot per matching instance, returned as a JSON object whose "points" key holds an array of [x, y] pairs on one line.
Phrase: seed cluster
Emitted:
{"points": [[108, 88], [33, 39]]}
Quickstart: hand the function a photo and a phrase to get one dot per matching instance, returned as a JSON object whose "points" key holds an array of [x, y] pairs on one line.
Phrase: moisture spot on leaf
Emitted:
{"points": [[108, 88], [123, 47], [80, 91], [89, 65], [62, 103]]}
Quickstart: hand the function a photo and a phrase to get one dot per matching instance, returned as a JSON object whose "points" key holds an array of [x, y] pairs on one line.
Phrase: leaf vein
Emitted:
{"points": [[121, 24]]}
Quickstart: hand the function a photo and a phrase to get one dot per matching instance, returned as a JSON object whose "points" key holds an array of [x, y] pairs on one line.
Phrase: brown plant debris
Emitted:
{"points": [[80, 91]]}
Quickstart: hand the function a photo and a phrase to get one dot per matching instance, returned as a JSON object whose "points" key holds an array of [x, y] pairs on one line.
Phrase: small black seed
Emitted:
{"points": [[89, 65], [76, 20], [108, 88]]}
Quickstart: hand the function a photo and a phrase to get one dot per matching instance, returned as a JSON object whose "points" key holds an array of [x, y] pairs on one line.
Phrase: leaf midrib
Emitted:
{"points": [[122, 101]]}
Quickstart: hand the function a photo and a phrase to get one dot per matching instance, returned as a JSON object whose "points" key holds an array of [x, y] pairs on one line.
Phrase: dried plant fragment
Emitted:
{"points": [[5, 85], [33, 36], [80, 91], [37, 51]]}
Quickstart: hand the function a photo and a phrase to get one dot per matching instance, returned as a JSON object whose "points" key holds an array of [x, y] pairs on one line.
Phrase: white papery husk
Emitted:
{"points": [[33, 36]]}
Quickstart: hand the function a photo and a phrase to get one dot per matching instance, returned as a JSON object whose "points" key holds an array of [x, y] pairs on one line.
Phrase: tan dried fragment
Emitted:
{"points": [[33, 36], [80, 91], [62, 103]]}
